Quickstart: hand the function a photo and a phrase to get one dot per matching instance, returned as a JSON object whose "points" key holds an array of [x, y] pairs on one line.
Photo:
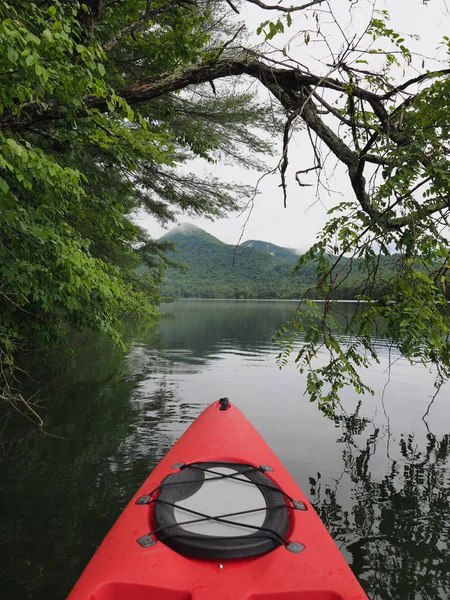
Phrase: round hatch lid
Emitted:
{"points": [[220, 510]]}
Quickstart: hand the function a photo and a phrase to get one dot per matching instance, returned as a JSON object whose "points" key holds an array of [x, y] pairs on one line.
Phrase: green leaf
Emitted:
{"points": [[12, 54]]}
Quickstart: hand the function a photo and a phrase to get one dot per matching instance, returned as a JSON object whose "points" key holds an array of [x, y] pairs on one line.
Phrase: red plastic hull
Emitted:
{"points": [[123, 570]]}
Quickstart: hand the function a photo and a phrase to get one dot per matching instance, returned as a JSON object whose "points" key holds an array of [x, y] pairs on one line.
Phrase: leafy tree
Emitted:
{"points": [[92, 117], [70, 251]]}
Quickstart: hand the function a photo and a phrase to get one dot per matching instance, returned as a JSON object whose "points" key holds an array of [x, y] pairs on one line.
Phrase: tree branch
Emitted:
{"points": [[339, 115], [157, 86], [280, 8], [149, 15], [294, 89], [232, 6], [285, 157], [414, 80], [284, 83]]}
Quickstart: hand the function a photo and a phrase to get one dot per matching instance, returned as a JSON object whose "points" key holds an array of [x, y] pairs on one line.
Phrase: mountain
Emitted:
{"points": [[255, 269], [185, 231], [214, 269], [278, 251]]}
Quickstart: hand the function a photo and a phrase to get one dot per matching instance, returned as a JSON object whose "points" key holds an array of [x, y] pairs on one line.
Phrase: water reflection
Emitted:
{"points": [[381, 486], [395, 528]]}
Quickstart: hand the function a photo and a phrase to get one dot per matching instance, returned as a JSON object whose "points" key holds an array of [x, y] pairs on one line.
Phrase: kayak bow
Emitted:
{"points": [[219, 517]]}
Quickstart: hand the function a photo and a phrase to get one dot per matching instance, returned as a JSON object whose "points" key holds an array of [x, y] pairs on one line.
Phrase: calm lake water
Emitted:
{"points": [[377, 474]]}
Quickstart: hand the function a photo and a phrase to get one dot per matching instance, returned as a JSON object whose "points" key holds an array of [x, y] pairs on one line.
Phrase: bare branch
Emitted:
{"points": [[232, 6], [303, 172], [285, 157], [280, 8], [229, 42], [339, 115], [414, 80]]}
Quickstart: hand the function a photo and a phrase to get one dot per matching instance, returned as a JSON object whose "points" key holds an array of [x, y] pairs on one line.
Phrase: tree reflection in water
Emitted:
{"points": [[395, 529]]}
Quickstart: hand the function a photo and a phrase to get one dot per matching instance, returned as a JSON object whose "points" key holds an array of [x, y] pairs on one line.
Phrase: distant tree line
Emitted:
{"points": [[208, 268]]}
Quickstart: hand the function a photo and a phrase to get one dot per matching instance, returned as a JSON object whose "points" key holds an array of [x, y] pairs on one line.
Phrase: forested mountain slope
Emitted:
{"points": [[254, 269], [277, 251]]}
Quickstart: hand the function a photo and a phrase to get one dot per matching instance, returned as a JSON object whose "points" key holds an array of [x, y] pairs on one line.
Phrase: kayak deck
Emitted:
{"points": [[135, 562]]}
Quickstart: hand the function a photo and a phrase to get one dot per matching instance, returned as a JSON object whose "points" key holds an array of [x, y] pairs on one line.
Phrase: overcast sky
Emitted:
{"points": [[297, 225]]}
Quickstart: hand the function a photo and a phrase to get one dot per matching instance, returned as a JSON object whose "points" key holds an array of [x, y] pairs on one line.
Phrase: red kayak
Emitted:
{"points": [[219, 518]]}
